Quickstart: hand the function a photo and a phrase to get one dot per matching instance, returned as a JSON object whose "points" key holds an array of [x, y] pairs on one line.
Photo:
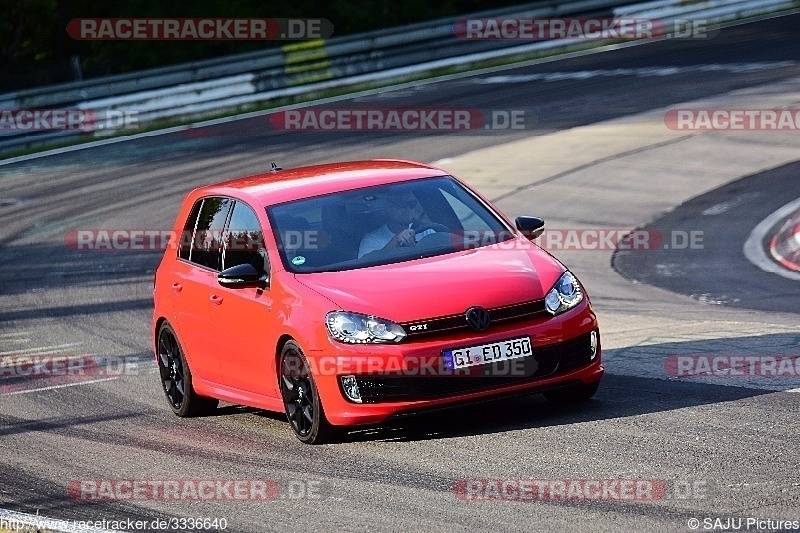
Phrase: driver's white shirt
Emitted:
{"points": [[378, 238]]}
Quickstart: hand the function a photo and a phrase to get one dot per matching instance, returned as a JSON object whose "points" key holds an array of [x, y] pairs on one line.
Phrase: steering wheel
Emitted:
{"points": [[425, 226]]}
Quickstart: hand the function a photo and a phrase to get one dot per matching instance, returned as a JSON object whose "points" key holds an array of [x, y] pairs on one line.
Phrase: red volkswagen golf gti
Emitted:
{"points": [[347, 293]]}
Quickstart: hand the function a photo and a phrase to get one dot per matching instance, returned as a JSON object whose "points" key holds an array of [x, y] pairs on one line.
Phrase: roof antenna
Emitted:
{"points": [[275, 167]]}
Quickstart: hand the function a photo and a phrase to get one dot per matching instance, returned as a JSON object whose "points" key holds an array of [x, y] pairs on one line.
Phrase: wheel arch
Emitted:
{"points": [[282, 340], [158, 324], [156, 328]]}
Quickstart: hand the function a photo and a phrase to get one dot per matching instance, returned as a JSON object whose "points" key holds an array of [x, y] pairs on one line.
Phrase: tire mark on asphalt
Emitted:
{"points": [[590, 164]]}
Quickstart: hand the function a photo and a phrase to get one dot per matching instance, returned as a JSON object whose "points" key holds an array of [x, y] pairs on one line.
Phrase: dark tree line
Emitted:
{"points": [[36, 50]]}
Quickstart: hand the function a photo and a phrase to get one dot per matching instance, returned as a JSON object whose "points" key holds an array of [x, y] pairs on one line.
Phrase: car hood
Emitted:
{"points": [[491, 276]]}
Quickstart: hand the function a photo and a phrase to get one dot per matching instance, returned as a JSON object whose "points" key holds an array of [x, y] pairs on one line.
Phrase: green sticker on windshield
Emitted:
{"points": [[298, 260]]}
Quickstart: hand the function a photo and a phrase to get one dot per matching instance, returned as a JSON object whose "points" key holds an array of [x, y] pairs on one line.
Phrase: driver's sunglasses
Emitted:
{"points": [[408, 204]]}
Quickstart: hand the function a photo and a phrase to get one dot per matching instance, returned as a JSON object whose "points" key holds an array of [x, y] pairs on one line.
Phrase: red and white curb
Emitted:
{"points": [[785, 244], [754, 250]]}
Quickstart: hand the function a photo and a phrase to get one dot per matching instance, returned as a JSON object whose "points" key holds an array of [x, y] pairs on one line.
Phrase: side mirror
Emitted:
{"points": [[240, 276], [531, 227]]}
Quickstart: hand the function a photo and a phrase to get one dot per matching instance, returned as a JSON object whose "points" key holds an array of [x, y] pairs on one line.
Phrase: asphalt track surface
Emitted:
{"points": [[739, 443], [717, 270]]}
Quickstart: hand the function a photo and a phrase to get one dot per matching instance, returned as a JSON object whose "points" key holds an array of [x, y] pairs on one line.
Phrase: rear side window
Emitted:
{"points": [[185, 251], [244, 241], [205, 247]]}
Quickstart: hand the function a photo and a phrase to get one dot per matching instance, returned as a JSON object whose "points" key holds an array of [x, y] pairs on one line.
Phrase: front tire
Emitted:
{"points": [[176, 378], [301, 400]]}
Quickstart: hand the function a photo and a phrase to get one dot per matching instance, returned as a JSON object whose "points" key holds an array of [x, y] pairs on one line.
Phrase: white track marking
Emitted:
{"points": [[42, 350], [641, 72], [53, 387], [12, 335]]}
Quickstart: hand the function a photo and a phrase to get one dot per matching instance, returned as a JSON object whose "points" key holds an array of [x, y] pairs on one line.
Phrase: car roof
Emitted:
{"points": [[292, 184]]}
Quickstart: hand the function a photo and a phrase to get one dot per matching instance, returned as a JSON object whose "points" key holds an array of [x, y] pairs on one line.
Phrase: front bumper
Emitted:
{"points": [[396, 379]]}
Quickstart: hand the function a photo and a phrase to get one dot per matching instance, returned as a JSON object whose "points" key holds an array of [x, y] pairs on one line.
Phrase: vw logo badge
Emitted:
{"points": [[478, 318]]}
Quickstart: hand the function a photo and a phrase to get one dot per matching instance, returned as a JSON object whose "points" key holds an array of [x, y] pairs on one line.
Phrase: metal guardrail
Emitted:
{"points": [[287, 60], [195, 89]]}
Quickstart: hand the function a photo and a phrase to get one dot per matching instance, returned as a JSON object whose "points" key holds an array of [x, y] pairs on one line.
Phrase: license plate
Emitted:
{"points": [[487, 353]]}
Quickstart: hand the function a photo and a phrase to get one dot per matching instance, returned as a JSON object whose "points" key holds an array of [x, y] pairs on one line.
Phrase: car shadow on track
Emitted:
{"points": [[619, 396]]}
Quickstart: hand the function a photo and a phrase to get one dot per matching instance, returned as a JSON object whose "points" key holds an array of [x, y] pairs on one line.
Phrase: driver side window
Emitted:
{"points": [[244, 240], [205, 225]]}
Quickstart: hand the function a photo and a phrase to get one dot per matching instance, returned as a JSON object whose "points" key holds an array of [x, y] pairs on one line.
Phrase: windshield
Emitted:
{"points": [[382, 225]]}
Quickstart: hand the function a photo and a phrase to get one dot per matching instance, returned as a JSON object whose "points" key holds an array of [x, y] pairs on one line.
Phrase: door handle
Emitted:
{"points": [[177, 287], [216, 300]]}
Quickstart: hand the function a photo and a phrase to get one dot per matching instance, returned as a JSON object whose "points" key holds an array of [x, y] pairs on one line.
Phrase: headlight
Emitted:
{"points": [[359, 329], [565, 295]]}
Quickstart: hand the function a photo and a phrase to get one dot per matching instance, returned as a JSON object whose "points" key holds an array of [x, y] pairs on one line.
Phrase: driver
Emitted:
{"points": [[397, 231]]}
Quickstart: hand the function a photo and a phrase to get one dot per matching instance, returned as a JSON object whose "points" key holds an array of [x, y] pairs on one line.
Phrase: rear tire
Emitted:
{"points": [[176, 378], [301, 399], [573, 393]]}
